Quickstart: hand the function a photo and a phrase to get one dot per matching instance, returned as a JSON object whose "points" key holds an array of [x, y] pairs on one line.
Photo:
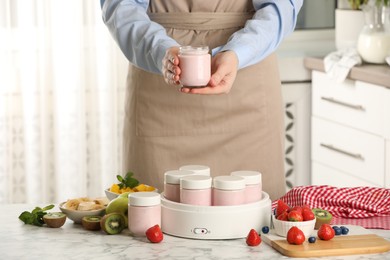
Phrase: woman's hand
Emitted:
{"points": [[170, 68], [224, 70]]}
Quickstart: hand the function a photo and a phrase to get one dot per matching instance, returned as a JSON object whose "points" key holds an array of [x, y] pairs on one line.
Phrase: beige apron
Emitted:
{"points": [[242, 130]]}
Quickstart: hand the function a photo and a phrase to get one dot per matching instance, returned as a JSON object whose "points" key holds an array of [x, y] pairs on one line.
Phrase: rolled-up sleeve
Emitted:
{"points": [[141, 40], [261, 35]]}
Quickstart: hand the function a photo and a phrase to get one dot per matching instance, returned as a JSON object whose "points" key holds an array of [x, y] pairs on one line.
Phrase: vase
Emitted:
{"points": [[348, 25], [374, 39]]}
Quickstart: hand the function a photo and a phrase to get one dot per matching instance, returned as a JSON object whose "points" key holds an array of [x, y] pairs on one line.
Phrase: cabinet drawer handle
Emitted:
{"points": [[335, 101], [353, 155]]}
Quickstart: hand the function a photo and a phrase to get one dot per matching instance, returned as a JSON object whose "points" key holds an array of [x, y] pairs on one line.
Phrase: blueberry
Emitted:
{"points": [[344, 230], [265, 229], [312, 239], [337, 231]]}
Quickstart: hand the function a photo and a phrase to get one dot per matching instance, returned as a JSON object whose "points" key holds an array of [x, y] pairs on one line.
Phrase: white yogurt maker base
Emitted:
{"points": [[214, 222]]}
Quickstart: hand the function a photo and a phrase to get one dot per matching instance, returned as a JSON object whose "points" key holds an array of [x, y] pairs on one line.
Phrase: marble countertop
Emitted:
{"points": [[71, 241], [370, 73]]}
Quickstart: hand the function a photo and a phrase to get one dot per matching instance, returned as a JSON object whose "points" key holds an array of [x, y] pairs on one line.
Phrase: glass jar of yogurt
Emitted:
{"points": [[172, 183], [144, 211], [228, 190], [195, 65], [196, 190]]}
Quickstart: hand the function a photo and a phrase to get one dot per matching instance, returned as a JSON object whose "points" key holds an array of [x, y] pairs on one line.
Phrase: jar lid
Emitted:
{"points": [[251, 177], [174, 176], [229, 182], [144, 198], [197, 169], [193, 50], [195, 182]]}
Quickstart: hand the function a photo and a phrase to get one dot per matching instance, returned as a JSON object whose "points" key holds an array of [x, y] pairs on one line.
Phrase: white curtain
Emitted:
{"points": [[62, 84]]}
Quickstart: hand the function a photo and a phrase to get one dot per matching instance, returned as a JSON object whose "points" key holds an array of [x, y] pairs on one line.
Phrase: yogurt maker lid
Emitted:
{"points": [[229, 182], [198, 169], [144, 198], [195, 182], [251, 177], [174, 176]]}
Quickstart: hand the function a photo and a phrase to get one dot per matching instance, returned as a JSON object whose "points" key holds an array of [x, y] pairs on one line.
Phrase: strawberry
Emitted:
{"points": [[307, 214], [325, 232], [295, 236], [154, 234], [281, 207], [295, 216], [297, 208], [253, 238], [283, 216]]}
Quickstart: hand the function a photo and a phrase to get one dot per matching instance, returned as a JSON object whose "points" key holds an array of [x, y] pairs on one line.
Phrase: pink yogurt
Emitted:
{"points": [[195, 65], [196, 190], [172, 183], [228, 190], [253, 183], [144, 211]]}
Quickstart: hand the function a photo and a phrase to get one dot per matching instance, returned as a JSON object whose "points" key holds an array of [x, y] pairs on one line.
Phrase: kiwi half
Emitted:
{"points": [[113, 223], [91, 222], [54, 219], [322, 217]]}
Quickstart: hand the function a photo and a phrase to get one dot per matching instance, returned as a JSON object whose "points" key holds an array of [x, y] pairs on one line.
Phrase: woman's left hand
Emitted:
{"points": [[224, 70]]}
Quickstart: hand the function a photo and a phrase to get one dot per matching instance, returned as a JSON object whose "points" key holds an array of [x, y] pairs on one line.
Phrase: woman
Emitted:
{"points": [[234, 123]]}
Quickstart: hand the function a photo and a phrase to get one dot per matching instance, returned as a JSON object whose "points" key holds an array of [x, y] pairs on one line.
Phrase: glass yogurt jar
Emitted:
{"points": [[196, 190], [195, 65], [228, 190]]}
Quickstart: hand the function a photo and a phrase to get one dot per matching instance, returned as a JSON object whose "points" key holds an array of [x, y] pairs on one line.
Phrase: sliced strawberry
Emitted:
{"points": [[281, 207], [253, 238], [154, 234]]}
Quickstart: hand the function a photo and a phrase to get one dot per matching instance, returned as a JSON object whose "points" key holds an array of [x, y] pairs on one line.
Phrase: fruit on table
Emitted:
{"points": [[325, 232], [295, 236], [154, 234], [112, 223], [54, 219], [312, 240], [91, 222], [85, 203], [265, 229], [322, 217], [253, 238], [344, 230], [307, 213], [119, 205]]}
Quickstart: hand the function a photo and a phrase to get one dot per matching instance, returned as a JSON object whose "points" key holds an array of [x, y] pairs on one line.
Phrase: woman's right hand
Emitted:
{"points": [[170, 66]]}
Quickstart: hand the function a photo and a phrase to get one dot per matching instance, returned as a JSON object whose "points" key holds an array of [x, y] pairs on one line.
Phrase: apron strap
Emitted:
{"points": [[201, 21]]}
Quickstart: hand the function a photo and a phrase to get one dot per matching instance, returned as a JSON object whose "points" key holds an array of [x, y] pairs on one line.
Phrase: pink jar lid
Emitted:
{"points": [[251, 177], [229, 182], [198, 169], [174, 176], [195, 182], [144, 198]]}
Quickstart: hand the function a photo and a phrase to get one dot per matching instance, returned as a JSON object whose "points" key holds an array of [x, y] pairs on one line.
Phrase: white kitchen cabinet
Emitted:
{"points": [[297, 101], [350, 143]]}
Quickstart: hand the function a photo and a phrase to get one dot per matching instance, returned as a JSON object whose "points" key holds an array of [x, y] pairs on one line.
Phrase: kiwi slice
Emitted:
{"points": [[322, 217], [113, 223], [54, 219], [91, 222]]}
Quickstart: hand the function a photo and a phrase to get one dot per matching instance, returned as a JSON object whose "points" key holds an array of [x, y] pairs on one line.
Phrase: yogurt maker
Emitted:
{"points": [[214, 222]]}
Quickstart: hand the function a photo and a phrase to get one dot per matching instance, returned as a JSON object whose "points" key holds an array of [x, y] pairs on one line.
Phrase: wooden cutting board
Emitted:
{"points": [[358, 241]]}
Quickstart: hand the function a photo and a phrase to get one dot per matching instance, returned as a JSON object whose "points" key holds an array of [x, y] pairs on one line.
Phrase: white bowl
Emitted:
{"points": [[112, 195], [77, 215], [282, 226]]}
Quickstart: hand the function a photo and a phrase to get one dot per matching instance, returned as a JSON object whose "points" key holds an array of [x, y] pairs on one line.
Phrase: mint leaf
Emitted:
{"points": [[35, 217], [27, 217]]}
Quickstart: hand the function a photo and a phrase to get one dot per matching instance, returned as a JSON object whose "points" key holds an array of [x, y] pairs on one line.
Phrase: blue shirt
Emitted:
{"points": [[144, 42]]}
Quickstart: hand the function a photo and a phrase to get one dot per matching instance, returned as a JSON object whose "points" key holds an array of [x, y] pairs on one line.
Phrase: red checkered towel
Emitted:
{"points": [[365, 206]]}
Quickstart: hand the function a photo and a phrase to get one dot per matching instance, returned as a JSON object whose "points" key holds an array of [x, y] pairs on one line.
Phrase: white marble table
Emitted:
{"points": [[20, 241]]}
